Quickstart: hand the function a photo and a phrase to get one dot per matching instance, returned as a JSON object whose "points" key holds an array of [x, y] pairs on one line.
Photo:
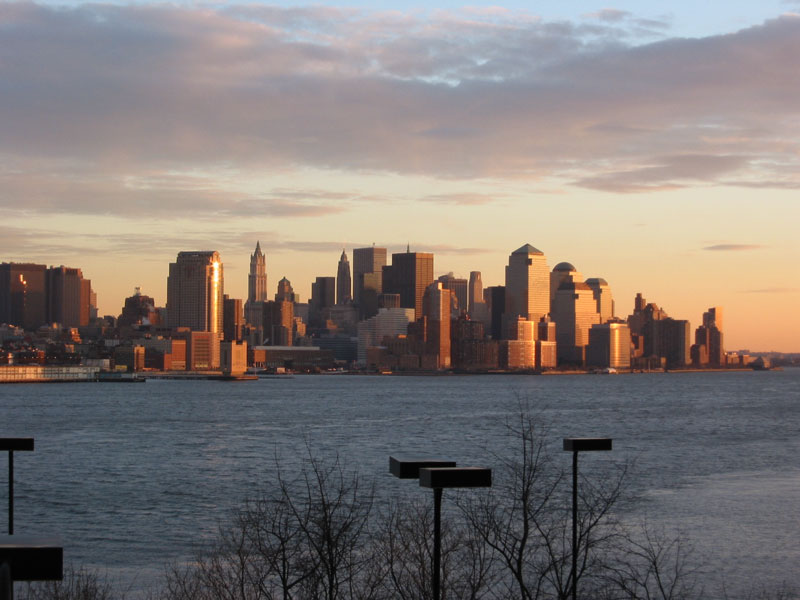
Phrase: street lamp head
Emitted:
{"points": [[409, 469], [586, 444], [32, 558], [455, 477], [16, 444]]}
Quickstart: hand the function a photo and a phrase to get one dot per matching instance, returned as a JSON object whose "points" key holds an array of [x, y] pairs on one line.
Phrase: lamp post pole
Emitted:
{"points": [[576, 445], [10, 445], [437, 543], [575, 525], [438, 475]]}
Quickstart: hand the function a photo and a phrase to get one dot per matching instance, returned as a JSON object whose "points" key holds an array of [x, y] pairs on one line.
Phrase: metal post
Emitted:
{"points": [[437, 542], [6, 583], [10, 492], [575, 525]]}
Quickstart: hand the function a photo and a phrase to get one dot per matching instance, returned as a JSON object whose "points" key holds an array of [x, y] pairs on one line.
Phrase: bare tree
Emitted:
{"points": [[331, 510], [648, 565], [404, 544], [525, 520], [77, 584], [305, 539]]}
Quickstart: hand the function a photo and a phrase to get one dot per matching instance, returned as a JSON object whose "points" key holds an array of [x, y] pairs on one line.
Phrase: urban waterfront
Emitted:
{"points": [[133, 477]]}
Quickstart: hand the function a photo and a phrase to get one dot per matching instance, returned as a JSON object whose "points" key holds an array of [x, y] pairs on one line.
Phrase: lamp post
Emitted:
{"points": [[438, 475], [9, 445], [576, 445], [24, 558]]}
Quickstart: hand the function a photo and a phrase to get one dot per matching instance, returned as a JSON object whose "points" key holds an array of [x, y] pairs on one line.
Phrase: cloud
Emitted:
{"points": [[669, 172], [463, 199], [154, 194], [776, 290], [610, 15], [97, 94], [733, 247]]}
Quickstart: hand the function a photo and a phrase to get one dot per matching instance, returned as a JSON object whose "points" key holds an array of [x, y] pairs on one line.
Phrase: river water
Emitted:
{"points": [[135, 476]]}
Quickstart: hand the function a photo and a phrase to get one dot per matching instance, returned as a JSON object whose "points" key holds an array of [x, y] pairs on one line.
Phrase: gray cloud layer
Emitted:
{"points": [[95, 94], [732, 247]]}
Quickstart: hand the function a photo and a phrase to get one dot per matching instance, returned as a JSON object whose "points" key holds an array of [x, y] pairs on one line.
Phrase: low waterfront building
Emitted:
{"points": [[296, 358]]}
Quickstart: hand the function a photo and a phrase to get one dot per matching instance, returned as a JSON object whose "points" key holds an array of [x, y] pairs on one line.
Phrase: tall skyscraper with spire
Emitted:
{"points": [[256, 288], [257, 279], [343, 282]]}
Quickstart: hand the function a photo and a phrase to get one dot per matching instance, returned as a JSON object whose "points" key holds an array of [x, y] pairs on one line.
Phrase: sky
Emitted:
{"points": [[656, 146]]}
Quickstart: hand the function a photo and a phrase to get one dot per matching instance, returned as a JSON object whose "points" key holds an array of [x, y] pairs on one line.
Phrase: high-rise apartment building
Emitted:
{"points": [[343, 283], [195, 292], [409, 275], [527, 286]]}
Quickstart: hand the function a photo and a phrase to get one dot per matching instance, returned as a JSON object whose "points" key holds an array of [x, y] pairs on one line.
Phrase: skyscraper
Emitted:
{"points": [[285, 292], [194, 292], [409, 274], [22, 295], [574, 312], [343, 283], [323, 293], [367, 261], [609, 346], [256, 288], [708, 347], [68, 296], [257, 279], [232, 319], [495, 297], [436, 302], [527, 285], [562, 272], [475, 291], [278, 322], [459, 288], [602, 296]]}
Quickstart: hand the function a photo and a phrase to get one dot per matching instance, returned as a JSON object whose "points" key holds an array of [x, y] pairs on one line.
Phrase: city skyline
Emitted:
{"points": [[656, 151]]}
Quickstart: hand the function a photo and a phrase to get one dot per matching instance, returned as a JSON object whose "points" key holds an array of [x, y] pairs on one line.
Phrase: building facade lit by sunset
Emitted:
{"points": [[409, 275], [527, 286], [574, 313], [195, 292]]}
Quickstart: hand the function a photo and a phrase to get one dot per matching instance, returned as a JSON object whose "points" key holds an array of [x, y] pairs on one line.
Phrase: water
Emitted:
{"points": [[135, 476]]}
